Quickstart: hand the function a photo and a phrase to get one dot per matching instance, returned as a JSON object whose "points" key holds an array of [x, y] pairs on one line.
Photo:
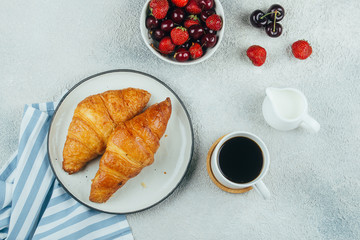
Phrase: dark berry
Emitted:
{"points": [[206, 4], [182, 55], [208, 30], [158, 34], [257, 19], [167, 25], [151, 22], [178, 15], [273, 30], [196, 31], [205, 14], [186, 45], [279, 10], [209, 40]]}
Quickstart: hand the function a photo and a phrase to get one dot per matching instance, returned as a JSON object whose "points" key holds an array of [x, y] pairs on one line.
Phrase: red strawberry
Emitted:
{"points": [[166, 46], [179, 35], [191, 20], [257, 55], [214, 22], [180, 3], [301, 49], [193, 7], [195, 51], [159, 8]]}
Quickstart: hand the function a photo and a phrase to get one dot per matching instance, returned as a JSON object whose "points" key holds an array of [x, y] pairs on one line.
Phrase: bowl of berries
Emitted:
{"points": [[182, 32]]}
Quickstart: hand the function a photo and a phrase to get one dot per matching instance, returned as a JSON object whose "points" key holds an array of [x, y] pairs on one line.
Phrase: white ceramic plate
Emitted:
{"points": [[156, 181]]}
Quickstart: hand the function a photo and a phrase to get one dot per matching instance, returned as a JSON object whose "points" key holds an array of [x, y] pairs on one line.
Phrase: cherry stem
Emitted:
{"points": [[275, 20], [269, 14]]}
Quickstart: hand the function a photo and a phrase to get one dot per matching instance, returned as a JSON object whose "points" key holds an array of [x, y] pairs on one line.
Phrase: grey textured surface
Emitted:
{"points": [[48, 46]]}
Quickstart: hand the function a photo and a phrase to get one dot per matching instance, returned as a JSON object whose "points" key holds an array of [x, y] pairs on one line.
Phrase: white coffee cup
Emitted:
{"points": [[256, 183]]}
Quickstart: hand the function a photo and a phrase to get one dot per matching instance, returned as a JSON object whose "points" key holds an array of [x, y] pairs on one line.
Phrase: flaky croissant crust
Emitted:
{"points": [[131, 147], [94, 119]]}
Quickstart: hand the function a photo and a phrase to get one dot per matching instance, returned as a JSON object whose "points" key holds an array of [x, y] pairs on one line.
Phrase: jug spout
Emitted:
{"points": [[271, 91]]}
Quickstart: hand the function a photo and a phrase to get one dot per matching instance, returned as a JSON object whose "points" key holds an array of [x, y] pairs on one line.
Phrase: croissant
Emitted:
{"points": [[94, 120], [131, 147]]}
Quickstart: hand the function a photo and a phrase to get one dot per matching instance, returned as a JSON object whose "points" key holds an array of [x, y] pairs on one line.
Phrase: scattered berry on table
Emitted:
{"points": [[269, 20], [301, 49], [273, 30], [278, 10], [258, 19], [257, 55]]}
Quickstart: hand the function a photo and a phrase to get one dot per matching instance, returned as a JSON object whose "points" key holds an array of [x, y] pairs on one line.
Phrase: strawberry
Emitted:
{"points": [[166, 46], [195, 51], [192, 7], [159, 8], [301, 49], [191, 20], [257, 55], [179, 35], [214, 22], [180, 3]]}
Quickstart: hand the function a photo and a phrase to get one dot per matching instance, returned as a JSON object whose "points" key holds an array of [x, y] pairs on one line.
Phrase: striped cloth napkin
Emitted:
{"points": [[33, 205]]}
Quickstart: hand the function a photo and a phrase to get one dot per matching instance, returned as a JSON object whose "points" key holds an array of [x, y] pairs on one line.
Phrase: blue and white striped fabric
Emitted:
{"points": [[33, 205]]}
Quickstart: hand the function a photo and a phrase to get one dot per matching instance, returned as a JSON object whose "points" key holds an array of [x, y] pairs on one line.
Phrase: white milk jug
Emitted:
{"points": [[286, 109]]}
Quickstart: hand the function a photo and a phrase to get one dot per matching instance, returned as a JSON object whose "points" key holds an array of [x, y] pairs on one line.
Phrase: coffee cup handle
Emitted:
{"points": [[311, 123], [261, 188]]}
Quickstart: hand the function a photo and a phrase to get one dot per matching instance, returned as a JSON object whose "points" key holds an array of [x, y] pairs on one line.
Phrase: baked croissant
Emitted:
{"points": [[94, 120], [131, 147]]}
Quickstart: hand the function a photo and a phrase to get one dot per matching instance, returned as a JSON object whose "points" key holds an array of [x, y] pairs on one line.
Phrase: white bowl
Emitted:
{"points": [[209, 52]]}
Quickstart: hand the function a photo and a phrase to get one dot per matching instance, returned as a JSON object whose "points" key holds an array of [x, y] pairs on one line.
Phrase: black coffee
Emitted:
{"points": [[240, 159]]}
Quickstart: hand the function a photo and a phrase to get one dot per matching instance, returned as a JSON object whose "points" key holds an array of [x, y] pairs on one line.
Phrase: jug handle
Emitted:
{"points": [[311, 122]]}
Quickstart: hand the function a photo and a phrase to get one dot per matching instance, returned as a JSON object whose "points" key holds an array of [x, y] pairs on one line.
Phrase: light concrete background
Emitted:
{"points": [[48, 46]]}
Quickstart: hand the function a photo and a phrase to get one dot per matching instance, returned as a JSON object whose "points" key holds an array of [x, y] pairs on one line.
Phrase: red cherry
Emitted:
{"points": [[206, 4], [209, 40], [182, 55]]}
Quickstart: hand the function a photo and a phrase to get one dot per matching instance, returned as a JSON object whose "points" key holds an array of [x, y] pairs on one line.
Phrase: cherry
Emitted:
{"points": [[258, 19], [279, 10], [151, 22], [182, 55], [205, 14], [167, 25], [206, 4], [186, 45], [209, 40], [196, 31], [178, 15], [273, 30], [158, 34], [208, 30]]}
